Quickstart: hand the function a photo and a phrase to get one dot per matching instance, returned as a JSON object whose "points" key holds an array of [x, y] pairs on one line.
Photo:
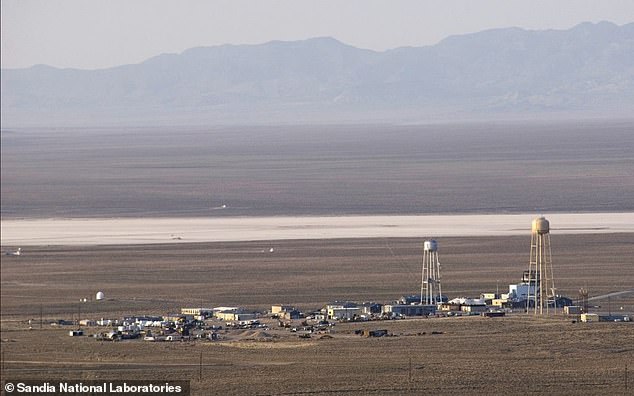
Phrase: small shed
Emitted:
{"points": [[588, 317]]}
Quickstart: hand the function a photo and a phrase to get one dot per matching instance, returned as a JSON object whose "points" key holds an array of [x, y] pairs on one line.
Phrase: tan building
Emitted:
{"points": [[198, 312], [233, 316], [588, 317], [446, 307], [499, 302], [289, 315], [276, 309]]}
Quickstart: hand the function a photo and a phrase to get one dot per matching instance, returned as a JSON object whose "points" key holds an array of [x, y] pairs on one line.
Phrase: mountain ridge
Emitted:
{"points": [[586, 69]]}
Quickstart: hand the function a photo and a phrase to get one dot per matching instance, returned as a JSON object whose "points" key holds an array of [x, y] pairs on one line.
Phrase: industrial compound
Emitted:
{"points": [[534, 294]]}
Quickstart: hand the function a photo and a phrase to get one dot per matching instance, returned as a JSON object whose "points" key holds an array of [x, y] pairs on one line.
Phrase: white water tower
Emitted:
{"points": [[540, 269], [430, 287]]}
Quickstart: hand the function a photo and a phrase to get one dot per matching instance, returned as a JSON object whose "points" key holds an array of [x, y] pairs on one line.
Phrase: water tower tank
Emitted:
{"points": [[541, 226], [430, 246], [100, 296]]}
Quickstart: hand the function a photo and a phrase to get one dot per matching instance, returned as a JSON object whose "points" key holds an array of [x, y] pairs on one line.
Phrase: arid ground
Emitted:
{"points": [[519, 167], [224, 173], [471, 355]]}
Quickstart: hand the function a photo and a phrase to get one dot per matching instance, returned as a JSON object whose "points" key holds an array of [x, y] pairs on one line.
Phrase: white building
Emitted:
{"points": [[467, 301], [225, 310], [521, 291], [345, 310]]}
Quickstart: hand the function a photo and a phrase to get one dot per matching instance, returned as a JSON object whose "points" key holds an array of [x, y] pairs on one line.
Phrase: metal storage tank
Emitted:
{"points": [[430, 285], [540, 269], [541, 226], [430, 246], [100, 296]]}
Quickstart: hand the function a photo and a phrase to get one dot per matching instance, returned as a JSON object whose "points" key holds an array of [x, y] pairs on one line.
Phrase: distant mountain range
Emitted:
{"points": [[588, 69]]}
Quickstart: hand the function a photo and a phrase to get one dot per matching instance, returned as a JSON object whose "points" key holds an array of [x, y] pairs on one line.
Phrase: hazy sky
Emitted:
{"points": [[95, 34]]}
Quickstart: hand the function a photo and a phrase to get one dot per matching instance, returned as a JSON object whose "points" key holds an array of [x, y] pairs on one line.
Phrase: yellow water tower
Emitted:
{"points": [[542, 297]]}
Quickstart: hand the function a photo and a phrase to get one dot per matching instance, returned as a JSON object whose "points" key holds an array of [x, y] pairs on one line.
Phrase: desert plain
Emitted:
{"points": [[57, 178], [466, 355]]}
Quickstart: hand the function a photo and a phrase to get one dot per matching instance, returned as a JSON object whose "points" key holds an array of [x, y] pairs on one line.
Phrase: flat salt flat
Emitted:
{"points": [[120, 231]]}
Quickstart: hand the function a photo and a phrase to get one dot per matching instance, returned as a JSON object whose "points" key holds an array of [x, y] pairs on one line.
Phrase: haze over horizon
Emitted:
{"points": [[102, 34], [308, 39]]}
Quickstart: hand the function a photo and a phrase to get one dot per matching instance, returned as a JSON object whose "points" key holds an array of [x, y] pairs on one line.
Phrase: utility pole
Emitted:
{"points": [[200, 367], [625, 376], [41, 311]]}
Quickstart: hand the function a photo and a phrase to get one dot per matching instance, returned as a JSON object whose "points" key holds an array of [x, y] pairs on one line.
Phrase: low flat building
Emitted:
{"points": [[572, 310], [521, 291], [229, 315], [276, 309], [501, 303], [371, 308], [198, 313], [225, 309], [409, 309], [589, 317], [289, 315], [411, 299], [447, 307], [417, 298], [232, 316], [464, 304], [222, 312], [147, 320], [563, 301], [467, 301], [476, 308], [174, 317], [342, 310]]}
